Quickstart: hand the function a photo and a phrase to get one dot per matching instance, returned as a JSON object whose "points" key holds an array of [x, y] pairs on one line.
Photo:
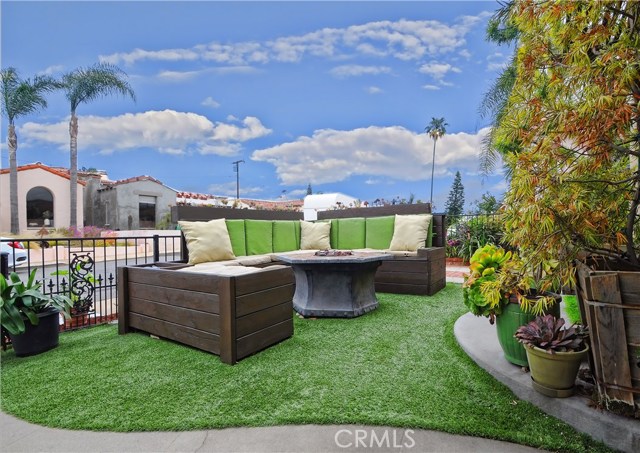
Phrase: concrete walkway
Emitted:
{"points": [[19, 436]]}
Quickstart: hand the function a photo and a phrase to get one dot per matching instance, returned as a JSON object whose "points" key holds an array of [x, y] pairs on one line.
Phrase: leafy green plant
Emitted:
{"points": [[547, 333], [496, 275], [485, 265], [22, 301]]}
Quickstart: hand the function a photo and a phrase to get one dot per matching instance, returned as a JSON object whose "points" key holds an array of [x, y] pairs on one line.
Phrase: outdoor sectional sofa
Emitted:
{"points": [[236, 307]]}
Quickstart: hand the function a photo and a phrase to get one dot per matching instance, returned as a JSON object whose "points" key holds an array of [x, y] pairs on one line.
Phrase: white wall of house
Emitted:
{"points": [[38, 177]]}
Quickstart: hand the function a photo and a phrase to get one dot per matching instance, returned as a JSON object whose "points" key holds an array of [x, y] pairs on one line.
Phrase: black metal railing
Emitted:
{"points": [[85, 269], [466, 233]]}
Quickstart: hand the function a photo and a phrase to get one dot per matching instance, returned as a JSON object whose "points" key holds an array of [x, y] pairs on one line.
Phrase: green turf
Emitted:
{"points": [[572, 309], [399, 365]]}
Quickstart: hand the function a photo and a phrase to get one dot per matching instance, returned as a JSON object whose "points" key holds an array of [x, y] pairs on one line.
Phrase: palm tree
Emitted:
{"points": [[20, 98], [84, 85], [436, 129], [500, 30]]}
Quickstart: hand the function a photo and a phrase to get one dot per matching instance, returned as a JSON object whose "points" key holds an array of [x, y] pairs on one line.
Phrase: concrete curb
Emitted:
{"points": [[479, 340]]}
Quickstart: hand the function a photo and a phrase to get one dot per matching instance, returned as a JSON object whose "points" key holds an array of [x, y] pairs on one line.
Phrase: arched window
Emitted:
{"points": [[39, 207]]}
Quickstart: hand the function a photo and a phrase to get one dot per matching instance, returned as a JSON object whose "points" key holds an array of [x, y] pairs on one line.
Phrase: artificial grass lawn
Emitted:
{"points": [[398, 365], [572, 309]]}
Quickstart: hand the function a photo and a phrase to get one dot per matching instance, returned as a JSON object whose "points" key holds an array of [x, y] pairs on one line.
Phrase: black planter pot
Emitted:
{"points": [[40, 338]]}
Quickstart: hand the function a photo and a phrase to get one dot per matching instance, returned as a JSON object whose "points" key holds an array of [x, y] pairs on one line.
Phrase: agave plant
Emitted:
{"points": [[547, 333]]}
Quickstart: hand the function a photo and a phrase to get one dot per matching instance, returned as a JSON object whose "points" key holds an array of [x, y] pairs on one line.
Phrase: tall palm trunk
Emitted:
{"points": [[12, 144], [73, 170], [433, 164]]}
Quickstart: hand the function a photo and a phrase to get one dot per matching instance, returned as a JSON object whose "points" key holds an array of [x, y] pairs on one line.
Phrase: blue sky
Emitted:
{"points": [[336, 94]]}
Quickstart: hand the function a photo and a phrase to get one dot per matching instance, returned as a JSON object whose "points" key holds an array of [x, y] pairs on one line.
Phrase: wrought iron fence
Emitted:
{"points": [[85, 269]]}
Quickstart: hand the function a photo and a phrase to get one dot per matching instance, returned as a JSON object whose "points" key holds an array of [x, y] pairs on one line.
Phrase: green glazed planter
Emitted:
{"points": [[508, 322]]}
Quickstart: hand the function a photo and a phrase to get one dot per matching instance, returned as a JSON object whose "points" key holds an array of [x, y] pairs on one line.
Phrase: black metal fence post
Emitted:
{"points": [[4, 264], [156, 248]]}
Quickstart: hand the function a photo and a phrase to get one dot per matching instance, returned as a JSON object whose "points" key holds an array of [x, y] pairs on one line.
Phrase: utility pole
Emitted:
{"points": [[236, 168]]}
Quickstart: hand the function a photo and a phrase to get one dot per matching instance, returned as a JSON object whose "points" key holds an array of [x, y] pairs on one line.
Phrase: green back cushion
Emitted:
{"points": [[351, 233], [379, 232], [430, 234], [333, 235], [237, 236], [259, 236], [286, 235]]}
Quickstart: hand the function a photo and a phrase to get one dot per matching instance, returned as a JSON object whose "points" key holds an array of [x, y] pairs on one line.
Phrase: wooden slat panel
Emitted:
{"points": [[194, 300], [199, 320], [262, 319], [179, 280], [630, 287], [396, 288], [612, 348], [404, 265], [228, 345], [194, 213], [402, 278], [264, 338], [251, 283], [198, 339], [260, 300]]}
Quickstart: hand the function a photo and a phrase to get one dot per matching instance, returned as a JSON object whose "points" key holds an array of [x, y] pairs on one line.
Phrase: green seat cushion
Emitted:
{"points": [[333, 235], [237, 235], [351, 233], [259, 236], [286, 235], [379, 232]]}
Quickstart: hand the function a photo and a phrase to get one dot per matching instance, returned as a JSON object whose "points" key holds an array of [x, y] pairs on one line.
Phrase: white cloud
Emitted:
{"points": [[374, 90], [228, 189], [181, 76], [437, 70], [52, 70], [465, 53], [297, 193], [167, 131], [497, 61], [210, 102], [380, 152], [430, 87], [354, 70], [402, 39]]}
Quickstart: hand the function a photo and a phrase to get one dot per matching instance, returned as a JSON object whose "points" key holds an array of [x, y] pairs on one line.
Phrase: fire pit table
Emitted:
{"points": [[335, 285]]}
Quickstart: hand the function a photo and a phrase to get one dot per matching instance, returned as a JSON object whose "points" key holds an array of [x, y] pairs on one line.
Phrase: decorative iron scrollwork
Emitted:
{"points": [[81, 279]]}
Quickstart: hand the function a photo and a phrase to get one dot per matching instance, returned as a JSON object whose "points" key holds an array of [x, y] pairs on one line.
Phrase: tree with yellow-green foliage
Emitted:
{"points": [[573, 124]]}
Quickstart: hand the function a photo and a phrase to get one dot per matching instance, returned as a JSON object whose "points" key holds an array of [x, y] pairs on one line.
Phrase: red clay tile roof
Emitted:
{"points": [[55, 171]]}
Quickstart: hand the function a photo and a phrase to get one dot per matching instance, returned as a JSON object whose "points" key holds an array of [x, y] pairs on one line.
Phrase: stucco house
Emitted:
{"points": [[43, 198], [128, 204]]}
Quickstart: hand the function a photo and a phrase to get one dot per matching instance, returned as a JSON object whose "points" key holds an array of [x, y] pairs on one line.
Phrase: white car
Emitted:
{"points": [[17, 254]]}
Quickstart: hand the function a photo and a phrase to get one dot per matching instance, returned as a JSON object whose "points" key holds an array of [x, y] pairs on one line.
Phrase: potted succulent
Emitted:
{"points": [[29, 316], [554, 354], [501, 287]]}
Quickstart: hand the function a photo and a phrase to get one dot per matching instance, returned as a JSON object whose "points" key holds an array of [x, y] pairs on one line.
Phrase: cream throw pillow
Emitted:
{"points": [[207, 241], [314, 236], [410, 232]]}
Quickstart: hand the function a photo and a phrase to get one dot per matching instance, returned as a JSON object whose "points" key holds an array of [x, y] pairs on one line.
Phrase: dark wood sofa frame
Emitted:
{"points": [[424, 274], [230, 316]]}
